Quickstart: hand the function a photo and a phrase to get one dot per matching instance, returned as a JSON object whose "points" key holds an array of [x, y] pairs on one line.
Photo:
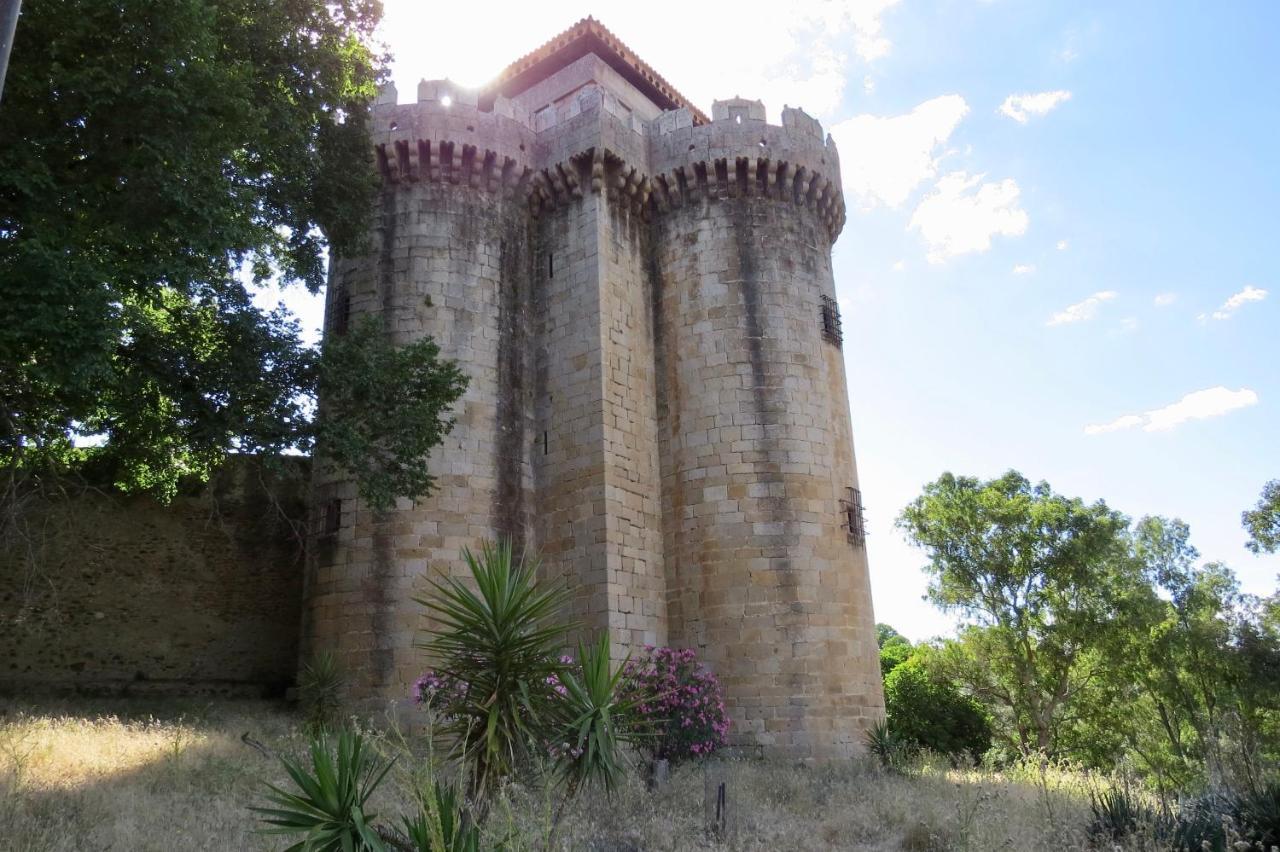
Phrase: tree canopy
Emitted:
{"points": [[1262, 522], [157, 161], [1087, 637]]}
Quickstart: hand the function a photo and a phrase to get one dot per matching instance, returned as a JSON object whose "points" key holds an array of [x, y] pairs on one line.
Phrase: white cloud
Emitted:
{"points": [[1164, 300], [1230, 306], [1198, 405], [803, 58], [962, 214], [884, 158], [899, 266], [1062, 245], [1128, 421], [1022, 108], [868, 84], [1081, 311], [1024, 268]]}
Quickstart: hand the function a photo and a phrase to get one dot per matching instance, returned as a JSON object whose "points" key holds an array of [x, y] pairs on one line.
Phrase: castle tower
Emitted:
{"points": [[644, 301]]}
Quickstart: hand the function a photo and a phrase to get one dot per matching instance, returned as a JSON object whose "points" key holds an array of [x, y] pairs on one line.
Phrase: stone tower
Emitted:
{"points": [[644, 301]]}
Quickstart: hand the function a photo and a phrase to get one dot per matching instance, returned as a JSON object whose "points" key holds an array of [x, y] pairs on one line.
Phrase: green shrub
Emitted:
{"points": [[499, 643], [928, 712], [320, 685], [329, 807], [889, 749], [1118, 815]]}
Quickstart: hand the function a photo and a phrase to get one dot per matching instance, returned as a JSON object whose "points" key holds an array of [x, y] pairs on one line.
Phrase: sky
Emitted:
{"points": [[1061, 247]]}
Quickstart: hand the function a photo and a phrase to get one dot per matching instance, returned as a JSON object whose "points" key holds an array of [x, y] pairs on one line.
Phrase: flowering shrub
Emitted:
{"points": [[680, 700]]}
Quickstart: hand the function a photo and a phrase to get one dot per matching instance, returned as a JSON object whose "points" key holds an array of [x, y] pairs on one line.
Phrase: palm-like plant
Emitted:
{"points": [[330, 805], [499, 640], [595, 719]]}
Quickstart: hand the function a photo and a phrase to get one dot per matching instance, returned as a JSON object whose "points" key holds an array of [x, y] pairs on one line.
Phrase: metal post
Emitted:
{"points": [[8, 26]]}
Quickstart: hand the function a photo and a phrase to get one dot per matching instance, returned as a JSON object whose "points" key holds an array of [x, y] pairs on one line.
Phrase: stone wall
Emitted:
{"points": [[128, 595]]}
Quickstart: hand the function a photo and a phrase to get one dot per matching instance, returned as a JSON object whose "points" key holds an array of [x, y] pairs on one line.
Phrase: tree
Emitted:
{"points": [[1262, 522], [1200, 664], [1037, 577], [895, 649], [153, 156]]}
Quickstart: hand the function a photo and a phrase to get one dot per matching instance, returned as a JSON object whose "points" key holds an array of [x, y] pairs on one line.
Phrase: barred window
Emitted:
{"points": [[854, 523], [832, 331]]}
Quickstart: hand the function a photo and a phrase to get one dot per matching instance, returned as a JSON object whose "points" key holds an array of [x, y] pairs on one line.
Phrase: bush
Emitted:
{"points": [[320, 689], [1119, 815], [679, 701], [928, 712]]}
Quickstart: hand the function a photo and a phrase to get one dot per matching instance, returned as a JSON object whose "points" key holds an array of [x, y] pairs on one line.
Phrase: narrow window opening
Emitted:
{"points": [[446, 101], [332, 517], [341, 319], [737, 119], [551, 265], [854, 522], [545, 443], [832, 328]]}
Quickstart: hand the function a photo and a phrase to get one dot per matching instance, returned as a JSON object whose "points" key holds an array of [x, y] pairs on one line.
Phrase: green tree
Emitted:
{"points": [[895, 648], [1037, 578], [158, 159], [1263, 521], [1199, 662]]}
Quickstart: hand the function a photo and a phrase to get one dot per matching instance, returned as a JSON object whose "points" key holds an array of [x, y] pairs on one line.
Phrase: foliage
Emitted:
{"points": [[329, 807], [1119, 814], [1037, 576], [681, 700], [1262, 522], [441, 823], [320, 684], [894, 655], [926, 711], [157, 162], [593, 713], [385, 408], [501, 642], [889, 749]]}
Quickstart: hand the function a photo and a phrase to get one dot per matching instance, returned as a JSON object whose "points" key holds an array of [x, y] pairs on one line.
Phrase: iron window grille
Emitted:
{"points": [[832, 330], [854, 522]]}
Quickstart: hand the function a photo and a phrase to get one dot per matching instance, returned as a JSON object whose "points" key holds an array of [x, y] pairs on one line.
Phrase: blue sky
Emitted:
{"points": [[1061, 216]]}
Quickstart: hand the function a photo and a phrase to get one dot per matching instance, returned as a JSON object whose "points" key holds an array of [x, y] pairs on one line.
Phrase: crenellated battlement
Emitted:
{"points": [[447, 137]]}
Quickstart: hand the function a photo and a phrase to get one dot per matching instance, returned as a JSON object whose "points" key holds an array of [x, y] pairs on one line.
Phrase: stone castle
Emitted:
{"points": [[643, 299]]}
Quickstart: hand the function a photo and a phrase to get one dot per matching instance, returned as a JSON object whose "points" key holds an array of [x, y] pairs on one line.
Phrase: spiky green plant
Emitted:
{"points": [[320, 689], [596, 720], [498, 639], [889, 749], [329, 807], [441, 824]]}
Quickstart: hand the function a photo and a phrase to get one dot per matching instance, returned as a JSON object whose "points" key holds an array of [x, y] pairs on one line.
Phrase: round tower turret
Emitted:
{"points": [[448, 256], [765, 562]]}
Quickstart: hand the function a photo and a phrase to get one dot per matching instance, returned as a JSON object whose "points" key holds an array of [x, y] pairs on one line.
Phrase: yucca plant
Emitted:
{"points": [[498, 641], [329, 807], [595, 719], [441, 824], [320, 690], [1118, 814], [890, 749]]}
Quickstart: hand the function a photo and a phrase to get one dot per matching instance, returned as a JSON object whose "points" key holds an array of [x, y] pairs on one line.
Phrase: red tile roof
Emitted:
{"points": [[588, 36]]}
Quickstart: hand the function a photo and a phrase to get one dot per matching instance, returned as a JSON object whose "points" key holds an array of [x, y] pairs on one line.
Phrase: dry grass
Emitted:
{"points": [[129, 776]]}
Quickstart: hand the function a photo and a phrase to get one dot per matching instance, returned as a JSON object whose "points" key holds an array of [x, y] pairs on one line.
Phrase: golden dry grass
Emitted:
{"points": [[120, 775]]}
